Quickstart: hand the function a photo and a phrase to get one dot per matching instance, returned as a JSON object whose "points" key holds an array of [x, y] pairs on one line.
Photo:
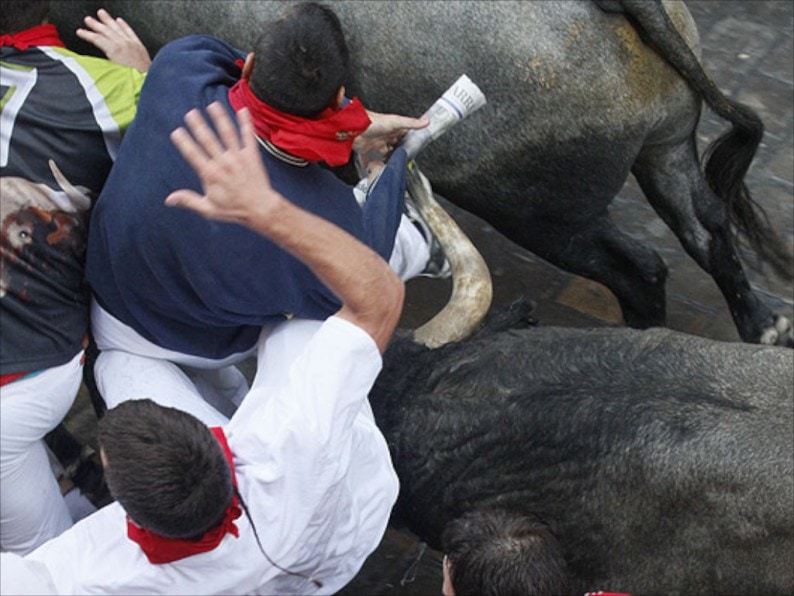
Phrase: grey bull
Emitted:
{"points": [[579, 96]]}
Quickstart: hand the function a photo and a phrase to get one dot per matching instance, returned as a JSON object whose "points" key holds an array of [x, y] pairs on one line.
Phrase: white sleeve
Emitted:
{"points": [[293, 438], [19, 576], [303, 414]]}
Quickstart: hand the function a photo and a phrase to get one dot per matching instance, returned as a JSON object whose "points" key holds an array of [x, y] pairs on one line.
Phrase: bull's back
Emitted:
{"points": [[573, 94], [663, 461]]}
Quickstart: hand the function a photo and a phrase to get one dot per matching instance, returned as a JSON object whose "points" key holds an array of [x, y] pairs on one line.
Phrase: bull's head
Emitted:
{"points": [[26, 206]]}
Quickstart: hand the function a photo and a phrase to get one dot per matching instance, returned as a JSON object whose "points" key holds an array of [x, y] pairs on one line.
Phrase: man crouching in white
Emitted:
{"points": [[295, 492]]}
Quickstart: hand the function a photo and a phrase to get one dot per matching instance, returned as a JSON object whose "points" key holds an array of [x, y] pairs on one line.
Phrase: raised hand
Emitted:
{"points": [[235, 183]]}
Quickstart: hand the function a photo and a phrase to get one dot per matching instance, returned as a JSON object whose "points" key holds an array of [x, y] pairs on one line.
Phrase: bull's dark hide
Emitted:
{"points": [[664, 462], [576, 100]]}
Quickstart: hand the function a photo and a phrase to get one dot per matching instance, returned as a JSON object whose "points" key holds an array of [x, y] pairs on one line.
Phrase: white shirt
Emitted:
{"points": [[311, 465]]}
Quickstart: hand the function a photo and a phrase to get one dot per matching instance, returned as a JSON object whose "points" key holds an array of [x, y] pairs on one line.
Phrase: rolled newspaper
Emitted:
{"points": [[460, 100]]}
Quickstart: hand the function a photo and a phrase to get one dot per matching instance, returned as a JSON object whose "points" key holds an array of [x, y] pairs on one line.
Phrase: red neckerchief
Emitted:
{"points": [[160, 549], [328, 138], [43, 35]]}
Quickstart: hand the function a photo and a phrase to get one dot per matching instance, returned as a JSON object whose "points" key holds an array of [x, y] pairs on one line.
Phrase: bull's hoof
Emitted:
{"points": [[781, 334]]}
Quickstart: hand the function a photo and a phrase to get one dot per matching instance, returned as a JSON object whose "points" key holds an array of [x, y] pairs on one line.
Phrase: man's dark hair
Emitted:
{"points": [[166, 468], [301, 60], [492, 552], [18, 15]]}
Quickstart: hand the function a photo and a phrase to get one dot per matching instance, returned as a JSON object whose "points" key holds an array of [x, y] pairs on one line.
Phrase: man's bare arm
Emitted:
{"points": [[237, 189]]}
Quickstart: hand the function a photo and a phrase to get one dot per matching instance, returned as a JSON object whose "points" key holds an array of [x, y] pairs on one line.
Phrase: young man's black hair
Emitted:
{"points": [[165, 468], [500, 553], [301, 61]]}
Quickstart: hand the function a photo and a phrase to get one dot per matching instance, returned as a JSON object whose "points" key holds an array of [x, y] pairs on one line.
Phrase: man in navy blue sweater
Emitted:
{"points": [[177, 298]]}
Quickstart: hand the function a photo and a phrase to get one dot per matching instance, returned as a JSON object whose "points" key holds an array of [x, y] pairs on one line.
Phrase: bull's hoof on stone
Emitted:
{"points": [[781, 334]]}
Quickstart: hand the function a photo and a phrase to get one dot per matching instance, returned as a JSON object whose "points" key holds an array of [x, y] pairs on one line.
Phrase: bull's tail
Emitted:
{"points": [[728, 158]]}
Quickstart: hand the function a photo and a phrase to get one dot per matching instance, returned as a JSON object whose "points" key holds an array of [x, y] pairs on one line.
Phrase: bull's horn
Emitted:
{"points": [[471, 281], [81, 200]]}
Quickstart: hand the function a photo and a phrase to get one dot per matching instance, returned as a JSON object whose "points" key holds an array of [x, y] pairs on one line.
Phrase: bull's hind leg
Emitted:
{"points": [[673, 182]]}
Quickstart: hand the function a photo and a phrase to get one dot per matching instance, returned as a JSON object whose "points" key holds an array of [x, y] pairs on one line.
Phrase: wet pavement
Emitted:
{"points": [[748, 51]]}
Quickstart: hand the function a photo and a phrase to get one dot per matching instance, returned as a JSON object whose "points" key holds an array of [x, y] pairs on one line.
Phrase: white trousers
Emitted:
{"points": [[131, 367], [32, 509]]}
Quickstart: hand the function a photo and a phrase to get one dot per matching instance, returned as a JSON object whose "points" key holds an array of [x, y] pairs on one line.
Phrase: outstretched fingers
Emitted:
{"points": [[125, 28], [116, 39], [205, 137], [190, 147], [225, 138], [247, 131], [223, 124], [105, 25], [228, 163]]}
